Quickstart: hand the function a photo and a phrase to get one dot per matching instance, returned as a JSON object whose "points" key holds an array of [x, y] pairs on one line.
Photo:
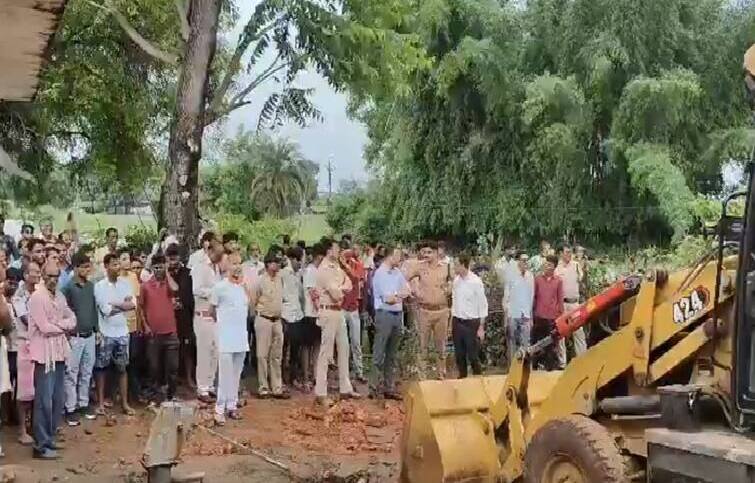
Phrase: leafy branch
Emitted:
{"points": [[135, 36]]}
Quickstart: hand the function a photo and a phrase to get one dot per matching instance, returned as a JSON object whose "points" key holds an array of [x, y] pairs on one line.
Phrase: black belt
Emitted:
{"points": [[571, 301], [84, 335], [464, 321], [271, 319]]}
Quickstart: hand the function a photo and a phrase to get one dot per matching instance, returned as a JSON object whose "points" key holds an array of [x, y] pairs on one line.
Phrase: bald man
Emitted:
{"points": [[50, 319]]}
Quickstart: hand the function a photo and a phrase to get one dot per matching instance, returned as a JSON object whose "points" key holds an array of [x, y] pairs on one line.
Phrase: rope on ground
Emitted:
{"points": [[249, 449]]}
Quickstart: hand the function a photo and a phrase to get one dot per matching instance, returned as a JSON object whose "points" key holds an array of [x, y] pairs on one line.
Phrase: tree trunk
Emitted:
{"points": [[180, 204]]}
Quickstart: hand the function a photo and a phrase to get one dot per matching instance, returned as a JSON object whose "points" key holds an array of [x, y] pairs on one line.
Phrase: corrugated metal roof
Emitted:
{"points": [[26, 27]]}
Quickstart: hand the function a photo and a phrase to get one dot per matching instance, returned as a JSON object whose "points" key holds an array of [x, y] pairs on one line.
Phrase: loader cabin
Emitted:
{"points": [[715, 455], [743, 383]]}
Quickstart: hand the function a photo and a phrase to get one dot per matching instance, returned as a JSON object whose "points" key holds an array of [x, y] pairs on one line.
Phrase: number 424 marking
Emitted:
{"points": [[688, 307]]}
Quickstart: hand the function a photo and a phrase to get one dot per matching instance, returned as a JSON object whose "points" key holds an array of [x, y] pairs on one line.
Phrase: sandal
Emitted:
{"points": [[25, 440]]}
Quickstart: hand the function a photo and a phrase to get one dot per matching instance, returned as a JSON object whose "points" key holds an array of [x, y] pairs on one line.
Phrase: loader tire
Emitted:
{"points": [[573, 449]]}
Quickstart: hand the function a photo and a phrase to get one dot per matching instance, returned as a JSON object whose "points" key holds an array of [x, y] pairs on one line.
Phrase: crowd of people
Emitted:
{"points": [[537, 291], [88, 327]]}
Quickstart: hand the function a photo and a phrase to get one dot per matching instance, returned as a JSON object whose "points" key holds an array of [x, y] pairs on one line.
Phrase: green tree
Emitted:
{"points": [[258, 175], [100, 111], [284, 180], [598, 120], [355, 43]]}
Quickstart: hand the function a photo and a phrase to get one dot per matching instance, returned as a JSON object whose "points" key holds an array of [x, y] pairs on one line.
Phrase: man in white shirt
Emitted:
{"points": [[230, 302], [111, 247], [570, 274], [312, 331], [519, 296], [204, 276], [201, 254], [114, 297], [292, 314], [254, 262], [504, 268], [469, 310]]}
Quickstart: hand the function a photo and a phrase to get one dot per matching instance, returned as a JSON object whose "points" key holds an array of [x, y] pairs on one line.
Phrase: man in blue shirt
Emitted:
{"points": [[389, 289]]}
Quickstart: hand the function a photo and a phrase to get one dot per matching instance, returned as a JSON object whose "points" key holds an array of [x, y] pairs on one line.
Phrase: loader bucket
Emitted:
{"points": [[449, 433]]}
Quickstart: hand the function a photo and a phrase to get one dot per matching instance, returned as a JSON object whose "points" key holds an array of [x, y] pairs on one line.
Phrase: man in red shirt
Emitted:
{"points": [[157, 305], [549, 305]]}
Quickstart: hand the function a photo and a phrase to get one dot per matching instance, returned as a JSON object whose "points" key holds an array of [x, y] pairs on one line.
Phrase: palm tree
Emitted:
{"points": [[284, 179]]}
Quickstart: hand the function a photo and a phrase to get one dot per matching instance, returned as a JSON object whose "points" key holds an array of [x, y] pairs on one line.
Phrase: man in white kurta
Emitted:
{"points": [[230, 300]]}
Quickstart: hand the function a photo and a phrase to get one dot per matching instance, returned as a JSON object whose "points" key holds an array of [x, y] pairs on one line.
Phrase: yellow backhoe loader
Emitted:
{"points": [[667, 395]]}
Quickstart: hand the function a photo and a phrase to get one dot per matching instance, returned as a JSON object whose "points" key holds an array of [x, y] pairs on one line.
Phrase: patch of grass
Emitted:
{"points": [[311, 227], [86, 222]]}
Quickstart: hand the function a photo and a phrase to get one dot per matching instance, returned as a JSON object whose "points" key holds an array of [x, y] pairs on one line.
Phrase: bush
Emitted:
{"points": [[264, 232], [342, 213], [362, 213], [139, 236]]}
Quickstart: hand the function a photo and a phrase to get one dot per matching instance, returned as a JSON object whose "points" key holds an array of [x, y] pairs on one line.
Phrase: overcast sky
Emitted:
{"points": [[336, 135]]}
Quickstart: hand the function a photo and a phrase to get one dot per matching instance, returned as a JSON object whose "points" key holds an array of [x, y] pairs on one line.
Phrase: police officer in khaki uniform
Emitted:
{"points": [[268, 326], [432, 289], [332, 282]]}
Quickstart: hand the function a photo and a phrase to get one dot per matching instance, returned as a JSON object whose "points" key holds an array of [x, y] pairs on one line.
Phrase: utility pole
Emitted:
{"points": [[330, 178]]}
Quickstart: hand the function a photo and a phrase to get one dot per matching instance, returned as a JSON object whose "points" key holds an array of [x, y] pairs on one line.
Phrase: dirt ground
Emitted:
{"points": [[352, 441]]}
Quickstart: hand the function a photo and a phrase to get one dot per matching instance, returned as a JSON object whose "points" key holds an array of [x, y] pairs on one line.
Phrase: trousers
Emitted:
{"points": [[578, 338], [78, 374], [388, 327], [517, 335], [49, 400], [334, 334], [355, 340], [162, 351], [548, 359], [138, 364], [206, 332], [230, 365], [295, 337], [433, 327], [466, 345], [269, 354]]}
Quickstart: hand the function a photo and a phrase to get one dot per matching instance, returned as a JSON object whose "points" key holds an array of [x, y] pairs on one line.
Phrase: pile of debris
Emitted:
{"points": [[345, 428]]}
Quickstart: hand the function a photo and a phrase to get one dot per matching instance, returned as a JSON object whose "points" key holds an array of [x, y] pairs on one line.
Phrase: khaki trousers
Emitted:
{"points": [[269, 336], [334, 332], [433, 326], [578, 338], [206, 333]]}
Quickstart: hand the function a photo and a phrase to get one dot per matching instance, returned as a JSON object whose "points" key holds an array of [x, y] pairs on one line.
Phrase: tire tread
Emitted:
{"points": [[606, 457]]}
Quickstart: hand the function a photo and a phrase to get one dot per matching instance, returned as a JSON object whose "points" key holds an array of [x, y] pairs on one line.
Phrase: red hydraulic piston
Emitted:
{"points": [[615, 294]]}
